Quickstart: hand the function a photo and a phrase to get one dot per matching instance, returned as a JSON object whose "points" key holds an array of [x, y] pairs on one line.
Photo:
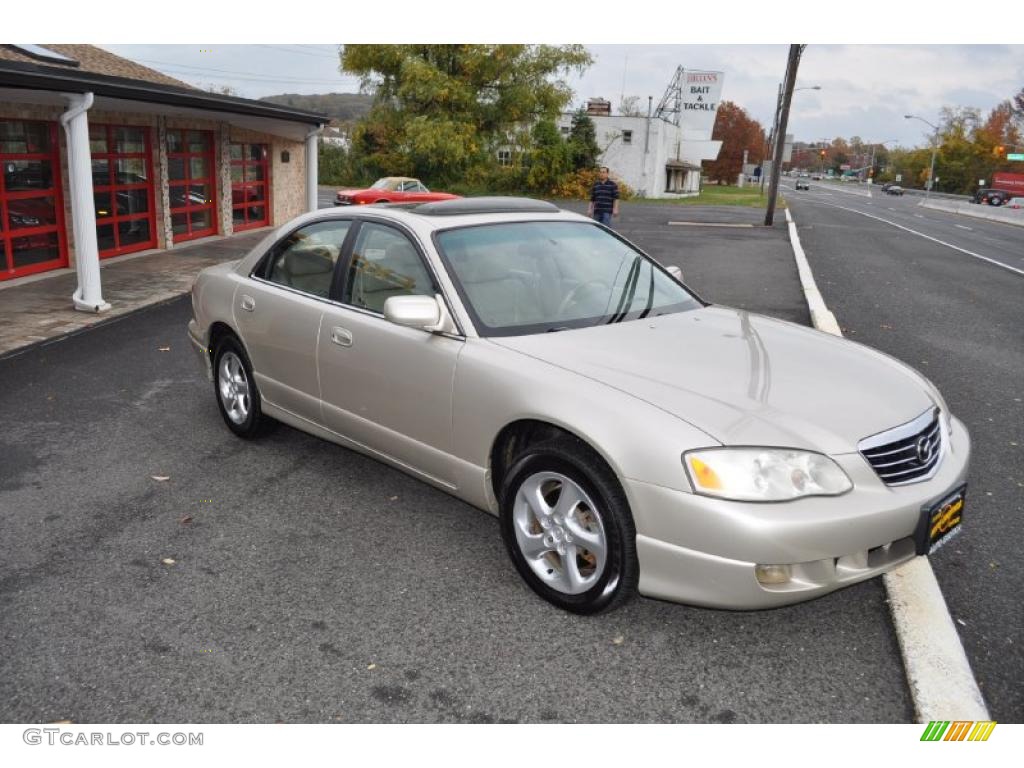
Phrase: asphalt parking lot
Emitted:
{"points": [[291, 580]]}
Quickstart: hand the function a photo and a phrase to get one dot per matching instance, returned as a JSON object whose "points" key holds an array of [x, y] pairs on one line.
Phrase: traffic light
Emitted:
{"points": [[999, 151], [823, 153]]}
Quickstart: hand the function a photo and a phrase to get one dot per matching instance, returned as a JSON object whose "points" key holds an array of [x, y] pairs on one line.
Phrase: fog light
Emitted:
{"points": [[772, 574]]}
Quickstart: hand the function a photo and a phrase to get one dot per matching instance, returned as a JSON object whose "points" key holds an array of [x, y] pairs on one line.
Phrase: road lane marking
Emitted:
{"points": [[926, 237], [963, 227], [938, 672]]}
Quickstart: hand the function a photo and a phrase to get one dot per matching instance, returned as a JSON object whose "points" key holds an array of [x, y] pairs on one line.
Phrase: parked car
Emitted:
{"points": [[1015, 202], [991, 197], [816, 177], [893, 189], [628, 435], [802, 184], [391, 189]]}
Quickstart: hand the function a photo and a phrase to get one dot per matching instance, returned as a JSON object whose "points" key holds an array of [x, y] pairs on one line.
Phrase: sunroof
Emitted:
{"points": [[39, 52]]}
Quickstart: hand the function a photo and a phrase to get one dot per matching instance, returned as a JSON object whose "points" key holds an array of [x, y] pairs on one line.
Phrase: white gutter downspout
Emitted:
{"points": [[312, 159], [89, 295]]}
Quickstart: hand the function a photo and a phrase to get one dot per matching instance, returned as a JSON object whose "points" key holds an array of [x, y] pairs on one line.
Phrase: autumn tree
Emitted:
{"points": [[440, 110], [738, 132]]}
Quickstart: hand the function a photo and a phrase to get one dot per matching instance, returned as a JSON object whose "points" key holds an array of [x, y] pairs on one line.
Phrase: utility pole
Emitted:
{"points": [[787, 97]]}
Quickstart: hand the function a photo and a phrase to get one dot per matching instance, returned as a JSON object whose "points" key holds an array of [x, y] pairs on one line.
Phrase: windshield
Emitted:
{"points": [[383, 184], [538, 276]]}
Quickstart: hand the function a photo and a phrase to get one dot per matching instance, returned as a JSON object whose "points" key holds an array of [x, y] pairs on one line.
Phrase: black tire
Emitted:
{"points": [[997, 201], [255, 422], [573, 459]]}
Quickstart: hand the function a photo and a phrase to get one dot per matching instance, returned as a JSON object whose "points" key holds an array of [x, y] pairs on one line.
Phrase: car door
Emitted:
{"points": [[278, 310], [386, 386]]}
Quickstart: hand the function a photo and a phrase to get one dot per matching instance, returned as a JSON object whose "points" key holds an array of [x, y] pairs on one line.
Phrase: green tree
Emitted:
{"points": [[442, 110], [583, 141], [551, 157]]}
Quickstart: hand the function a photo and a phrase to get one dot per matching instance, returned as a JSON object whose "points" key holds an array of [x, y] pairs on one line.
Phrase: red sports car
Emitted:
{"points": [[391, 189]]}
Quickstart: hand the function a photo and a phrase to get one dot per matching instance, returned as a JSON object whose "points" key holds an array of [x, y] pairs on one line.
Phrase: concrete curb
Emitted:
{"points": [[939, 675]]}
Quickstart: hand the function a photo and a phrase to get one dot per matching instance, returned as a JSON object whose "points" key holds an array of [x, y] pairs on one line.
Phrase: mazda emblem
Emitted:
{"points": [[924, 450]]}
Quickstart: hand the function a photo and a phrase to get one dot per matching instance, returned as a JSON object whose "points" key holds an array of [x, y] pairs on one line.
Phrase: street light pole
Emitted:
{"points": [[935, 149]]}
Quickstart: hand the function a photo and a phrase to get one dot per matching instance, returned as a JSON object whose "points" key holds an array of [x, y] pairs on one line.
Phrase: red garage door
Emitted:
{"points": [[191, 173], [249, 188], [31, 208], [122, 182]]}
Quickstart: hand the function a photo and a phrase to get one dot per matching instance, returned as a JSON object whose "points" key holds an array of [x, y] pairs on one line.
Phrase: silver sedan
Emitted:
{"points": [[629, 436]]}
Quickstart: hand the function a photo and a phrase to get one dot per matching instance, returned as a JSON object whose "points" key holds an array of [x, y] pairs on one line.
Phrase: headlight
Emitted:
{"points": [[764, 474]]}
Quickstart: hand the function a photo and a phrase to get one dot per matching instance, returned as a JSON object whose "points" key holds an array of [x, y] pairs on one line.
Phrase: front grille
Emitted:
{"points": [[907, 453]]}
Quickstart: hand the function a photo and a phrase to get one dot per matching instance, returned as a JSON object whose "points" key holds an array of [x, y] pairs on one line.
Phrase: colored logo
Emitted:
{"points": [[946, 518], [958, 730]]}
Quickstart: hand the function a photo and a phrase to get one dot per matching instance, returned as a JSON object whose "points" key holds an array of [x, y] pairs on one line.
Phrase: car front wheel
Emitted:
{"points": [[567, 527]]}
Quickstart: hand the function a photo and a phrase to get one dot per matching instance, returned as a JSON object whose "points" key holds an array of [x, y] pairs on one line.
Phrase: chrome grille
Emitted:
{"points": [[908, 453]]}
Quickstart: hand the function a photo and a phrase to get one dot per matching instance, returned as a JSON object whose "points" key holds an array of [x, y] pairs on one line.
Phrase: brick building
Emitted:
{"points": [[103, 157]]}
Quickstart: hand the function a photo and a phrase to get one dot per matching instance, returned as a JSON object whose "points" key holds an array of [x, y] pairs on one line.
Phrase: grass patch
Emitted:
{"points": [[749, 196]]}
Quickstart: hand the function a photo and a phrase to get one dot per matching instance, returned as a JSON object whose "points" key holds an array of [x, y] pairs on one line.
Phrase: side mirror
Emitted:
{"points": [[412, 311], [676, 272], [426, 312]]}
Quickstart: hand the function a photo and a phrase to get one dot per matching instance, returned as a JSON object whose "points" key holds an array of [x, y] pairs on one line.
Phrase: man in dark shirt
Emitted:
{"points": [[604, 198]]}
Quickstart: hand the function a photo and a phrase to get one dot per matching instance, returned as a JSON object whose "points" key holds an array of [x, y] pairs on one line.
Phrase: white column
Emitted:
{"points": [[89, 295], [312, 158]]}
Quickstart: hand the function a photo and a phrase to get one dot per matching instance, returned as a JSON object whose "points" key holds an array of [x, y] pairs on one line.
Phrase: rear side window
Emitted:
{"points": [[384, 264], [305, 259]]}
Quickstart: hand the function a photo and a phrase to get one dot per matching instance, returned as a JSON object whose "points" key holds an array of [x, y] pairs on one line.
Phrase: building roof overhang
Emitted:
{"points": [[23, 75]]}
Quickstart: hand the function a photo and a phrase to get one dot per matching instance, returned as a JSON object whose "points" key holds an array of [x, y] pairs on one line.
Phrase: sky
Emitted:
{"points": [[865, 89]]}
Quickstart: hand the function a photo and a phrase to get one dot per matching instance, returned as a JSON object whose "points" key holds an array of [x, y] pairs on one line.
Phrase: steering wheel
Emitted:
{"points": [[571, 297]]}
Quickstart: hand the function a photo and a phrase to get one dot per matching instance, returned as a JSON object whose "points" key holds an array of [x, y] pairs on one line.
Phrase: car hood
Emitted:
{"points": [[742, 378]]}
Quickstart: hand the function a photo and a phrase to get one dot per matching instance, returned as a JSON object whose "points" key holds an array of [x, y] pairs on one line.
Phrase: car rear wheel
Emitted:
{"points": [[238, 399], [567, 527]]}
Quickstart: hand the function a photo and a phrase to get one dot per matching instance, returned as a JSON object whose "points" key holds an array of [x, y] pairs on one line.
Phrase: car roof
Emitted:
{"points": [[450, 214]]}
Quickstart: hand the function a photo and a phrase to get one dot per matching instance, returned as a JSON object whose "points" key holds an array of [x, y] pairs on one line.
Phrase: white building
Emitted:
{"points": [[660, 156]]}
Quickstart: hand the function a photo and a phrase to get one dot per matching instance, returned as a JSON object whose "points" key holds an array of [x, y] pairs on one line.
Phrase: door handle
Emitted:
{"points": [[341, 336], [248, 303]]}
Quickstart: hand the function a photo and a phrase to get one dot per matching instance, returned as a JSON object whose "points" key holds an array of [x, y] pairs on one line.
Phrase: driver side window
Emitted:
{"points": [[384, 264]]}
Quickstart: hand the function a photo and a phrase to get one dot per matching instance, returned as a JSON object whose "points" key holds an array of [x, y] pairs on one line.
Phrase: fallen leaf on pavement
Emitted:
{"points": [[186, 520], [372, 666], [160, 478], [165, 349], [168, 561], [618, 640], [394, 498]]}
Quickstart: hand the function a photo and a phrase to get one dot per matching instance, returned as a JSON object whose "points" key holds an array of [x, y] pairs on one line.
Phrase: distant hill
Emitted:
{"points": [[340, 106]]}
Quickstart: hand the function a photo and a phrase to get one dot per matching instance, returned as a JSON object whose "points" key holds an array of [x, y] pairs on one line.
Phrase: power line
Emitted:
{"points": [[194, 71], [289, 49]]}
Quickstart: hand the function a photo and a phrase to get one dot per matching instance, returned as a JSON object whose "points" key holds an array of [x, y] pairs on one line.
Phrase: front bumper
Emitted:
{"points": [[200, 348], [703, 551]]}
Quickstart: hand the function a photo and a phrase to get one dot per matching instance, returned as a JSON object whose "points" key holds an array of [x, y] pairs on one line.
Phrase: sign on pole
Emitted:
{"points": [[899, 177], [1017, 156]]}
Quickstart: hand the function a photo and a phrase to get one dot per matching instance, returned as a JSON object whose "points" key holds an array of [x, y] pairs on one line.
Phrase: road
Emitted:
{"points": [[992, 239], [959, 320], [291, 580]]}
